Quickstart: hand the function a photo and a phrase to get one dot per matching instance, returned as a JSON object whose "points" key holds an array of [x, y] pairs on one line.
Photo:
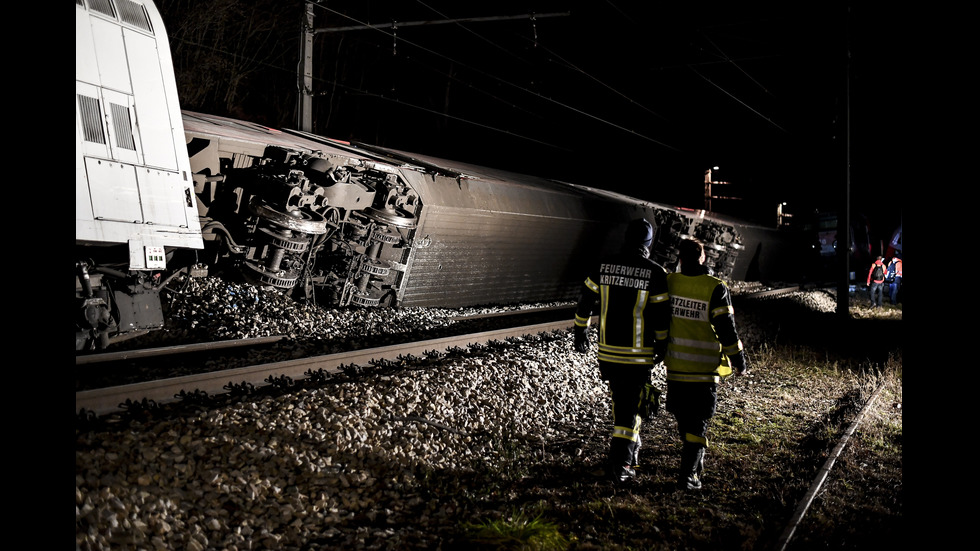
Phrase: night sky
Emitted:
{"points": [[633, 96]]}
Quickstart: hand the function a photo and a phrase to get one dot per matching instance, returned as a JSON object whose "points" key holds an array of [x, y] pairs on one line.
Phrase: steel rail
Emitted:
{"points": [[770, 292], [108, 400], [102, 357], [87, 359], [804, 503]]}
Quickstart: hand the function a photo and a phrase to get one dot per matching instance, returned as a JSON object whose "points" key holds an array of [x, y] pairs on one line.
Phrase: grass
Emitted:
{"points": [[518, 531]]}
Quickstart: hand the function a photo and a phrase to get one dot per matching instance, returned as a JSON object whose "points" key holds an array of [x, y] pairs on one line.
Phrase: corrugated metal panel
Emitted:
{"points": [[484, 257], [491, 241]]}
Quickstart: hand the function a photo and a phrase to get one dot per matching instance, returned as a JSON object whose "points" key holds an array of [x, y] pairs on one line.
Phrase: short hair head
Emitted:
{"points": [[690, 251]]}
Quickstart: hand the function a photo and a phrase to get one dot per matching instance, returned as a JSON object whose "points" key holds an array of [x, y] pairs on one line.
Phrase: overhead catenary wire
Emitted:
{"points": [[564, 105], [729, 94]]}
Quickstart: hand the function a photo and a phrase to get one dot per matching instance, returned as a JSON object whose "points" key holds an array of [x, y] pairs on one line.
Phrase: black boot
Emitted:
{"points": [[692, 465]]}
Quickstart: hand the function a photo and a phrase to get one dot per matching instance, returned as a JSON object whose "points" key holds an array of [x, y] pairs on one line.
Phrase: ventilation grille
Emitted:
{"points": [[103, 7], [134, 13], [123, 126], [129, 12], [91, 119]]}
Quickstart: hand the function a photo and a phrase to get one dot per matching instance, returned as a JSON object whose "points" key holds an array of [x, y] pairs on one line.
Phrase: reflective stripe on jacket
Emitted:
{"points": [[694, 353]]}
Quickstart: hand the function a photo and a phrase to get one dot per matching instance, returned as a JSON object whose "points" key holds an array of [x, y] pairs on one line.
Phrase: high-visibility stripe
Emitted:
{"points": [[733, 349], [694, 377], [696, 439], [625, 350], [722, 310], [638, 360], [625, 432], [695, 343], [591, 285], [604, 301], [709, 360], [638, 306]]}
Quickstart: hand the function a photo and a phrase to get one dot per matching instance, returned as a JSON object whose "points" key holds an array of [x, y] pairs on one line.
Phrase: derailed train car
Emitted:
{"points": [[355, 225], [342, 224]]}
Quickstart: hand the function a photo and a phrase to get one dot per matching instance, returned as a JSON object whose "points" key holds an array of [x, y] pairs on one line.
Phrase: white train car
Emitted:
{"points": [[134, 194]]}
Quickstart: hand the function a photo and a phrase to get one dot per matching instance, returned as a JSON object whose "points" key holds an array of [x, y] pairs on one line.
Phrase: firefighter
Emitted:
{"points": [[703, 349], [630, 291]]}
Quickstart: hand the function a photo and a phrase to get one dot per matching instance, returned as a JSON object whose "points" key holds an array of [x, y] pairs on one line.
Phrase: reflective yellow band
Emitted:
{"points": [[625, 432], [695, 377], [591, 285], [723, 310], [688, 437]]}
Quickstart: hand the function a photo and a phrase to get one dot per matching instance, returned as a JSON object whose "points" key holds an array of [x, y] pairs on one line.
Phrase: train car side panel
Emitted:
{"points": [[484, 257], [132, 173], [134, 197]]}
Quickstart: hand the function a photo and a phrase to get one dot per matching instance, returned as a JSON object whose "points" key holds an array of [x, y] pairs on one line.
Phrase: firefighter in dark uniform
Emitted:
{"points": [[703, 349], [634, 314]]}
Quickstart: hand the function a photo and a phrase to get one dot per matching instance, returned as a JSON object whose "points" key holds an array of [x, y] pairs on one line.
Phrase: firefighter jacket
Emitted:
{"points": [[702, 328], [634, 312]]}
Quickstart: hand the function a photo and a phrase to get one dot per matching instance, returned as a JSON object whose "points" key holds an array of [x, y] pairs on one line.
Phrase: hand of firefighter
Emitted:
{"points": [[581, 339], [740, 363]]}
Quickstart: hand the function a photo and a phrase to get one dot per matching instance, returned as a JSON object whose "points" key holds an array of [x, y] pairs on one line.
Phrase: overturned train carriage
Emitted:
{"points": [[354, 225]]}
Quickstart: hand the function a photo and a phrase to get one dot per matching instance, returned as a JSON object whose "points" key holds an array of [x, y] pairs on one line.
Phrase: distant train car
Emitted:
{"points": [[342, 224], [895, 244]]}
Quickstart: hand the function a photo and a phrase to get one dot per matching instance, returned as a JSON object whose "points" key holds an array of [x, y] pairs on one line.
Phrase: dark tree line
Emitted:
{"points": [[234, 57]]}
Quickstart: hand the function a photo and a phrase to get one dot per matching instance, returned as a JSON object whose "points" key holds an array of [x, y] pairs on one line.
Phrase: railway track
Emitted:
{"points": [[102, 401]]}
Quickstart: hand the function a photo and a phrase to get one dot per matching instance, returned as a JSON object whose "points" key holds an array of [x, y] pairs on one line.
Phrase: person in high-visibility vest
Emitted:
{"points": [[703, 349], [893, 276], [634, 313]]}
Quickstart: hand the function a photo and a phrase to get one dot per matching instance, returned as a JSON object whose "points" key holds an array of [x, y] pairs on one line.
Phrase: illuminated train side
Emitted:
{"points": [[347, 225]]}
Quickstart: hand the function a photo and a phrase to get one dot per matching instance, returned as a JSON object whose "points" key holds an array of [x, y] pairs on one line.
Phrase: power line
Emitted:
{"points": [[382, 29], [747, 106]]}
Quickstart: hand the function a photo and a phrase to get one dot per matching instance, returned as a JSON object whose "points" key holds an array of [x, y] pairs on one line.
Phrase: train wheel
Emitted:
{"points": [[296, 220], [395, 216]]}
